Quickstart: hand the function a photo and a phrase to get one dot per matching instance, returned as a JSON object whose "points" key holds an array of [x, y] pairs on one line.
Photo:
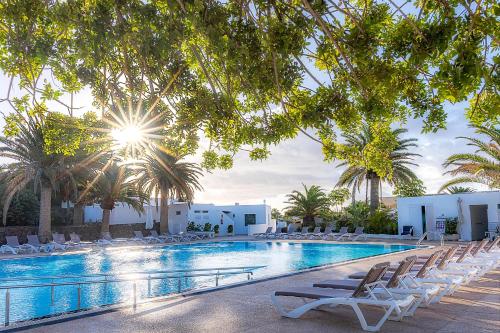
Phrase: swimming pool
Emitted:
{"points": [[277, 257]]}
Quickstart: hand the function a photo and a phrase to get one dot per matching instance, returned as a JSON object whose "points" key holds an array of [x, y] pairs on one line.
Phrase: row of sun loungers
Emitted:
{"points": [[328, 234], [60, 243], [398, 290]]}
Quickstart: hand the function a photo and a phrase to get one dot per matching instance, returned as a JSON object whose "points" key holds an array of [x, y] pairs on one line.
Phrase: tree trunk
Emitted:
{"points": [[78, 214], [44, 230], [164, 211], [106, 214], [374, 193]]}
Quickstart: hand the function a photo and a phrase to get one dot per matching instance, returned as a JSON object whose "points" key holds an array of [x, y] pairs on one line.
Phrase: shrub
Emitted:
{"points": [[190, 226], [230, 229], [207, 227], [450, 225], [216, 228], [382, 222], [194, 227], [355, 215]]}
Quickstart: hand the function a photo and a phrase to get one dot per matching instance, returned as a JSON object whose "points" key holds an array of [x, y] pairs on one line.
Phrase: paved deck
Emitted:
{"points": [[474, 308]]}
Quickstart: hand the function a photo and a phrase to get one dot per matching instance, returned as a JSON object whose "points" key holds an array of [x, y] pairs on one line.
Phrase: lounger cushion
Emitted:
{"points": [[314, 293], [338, 284]]}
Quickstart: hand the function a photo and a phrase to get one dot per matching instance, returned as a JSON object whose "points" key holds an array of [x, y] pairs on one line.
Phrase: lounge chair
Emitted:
{"points": [[322, 235], [35, 242], [334, 236], [162, 238], [392, 305], [407, 232], [358, 233], [59, 242], [394, 285], [273, 235], [263, 234], [74, 240], [424, 293], [471, 261], [302, 234], [290, 230], [14, 247], [107, 239], [314, 234], [139, 237]]}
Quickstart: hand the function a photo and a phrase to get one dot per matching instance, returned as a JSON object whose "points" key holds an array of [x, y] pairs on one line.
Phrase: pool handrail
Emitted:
{"points": [[145, 276], [98, 275]]}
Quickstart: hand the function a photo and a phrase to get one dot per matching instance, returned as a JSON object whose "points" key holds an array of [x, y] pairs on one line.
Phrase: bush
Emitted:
{"points": [[216, 228], [355, 215], [192, 227], [207, 227], [382, 222], [24, 209], [450, 225], [230, 229]]}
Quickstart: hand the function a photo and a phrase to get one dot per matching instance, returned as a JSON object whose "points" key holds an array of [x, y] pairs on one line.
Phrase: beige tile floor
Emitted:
{"points": [[474, 308]]}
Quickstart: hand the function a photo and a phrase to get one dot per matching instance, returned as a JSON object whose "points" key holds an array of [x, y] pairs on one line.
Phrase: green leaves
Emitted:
{"points": [[412, 188], [257, 73]]}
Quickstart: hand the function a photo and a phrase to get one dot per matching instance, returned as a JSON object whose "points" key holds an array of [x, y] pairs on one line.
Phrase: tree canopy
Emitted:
{"points": [[253, 73]]}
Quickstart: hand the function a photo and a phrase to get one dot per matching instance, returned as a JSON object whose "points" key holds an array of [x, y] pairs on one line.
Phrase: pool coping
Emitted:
{"points": [[95, 246], [85, 313]]}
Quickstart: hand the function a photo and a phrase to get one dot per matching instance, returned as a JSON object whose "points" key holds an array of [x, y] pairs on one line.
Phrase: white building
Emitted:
{"points": [[480, 211], [245, 219]]}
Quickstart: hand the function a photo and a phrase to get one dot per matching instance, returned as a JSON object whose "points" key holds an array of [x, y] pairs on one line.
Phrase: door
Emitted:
{"points": [[479, 221]]}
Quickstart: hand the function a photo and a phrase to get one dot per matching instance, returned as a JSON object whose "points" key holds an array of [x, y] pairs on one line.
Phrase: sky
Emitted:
{"points": [[300, 161]]}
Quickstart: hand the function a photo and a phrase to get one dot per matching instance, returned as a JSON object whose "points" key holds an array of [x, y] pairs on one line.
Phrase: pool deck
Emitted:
{"points": [[248, 308]]}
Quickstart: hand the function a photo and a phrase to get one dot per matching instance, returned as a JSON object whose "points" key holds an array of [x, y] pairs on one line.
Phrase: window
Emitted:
{"points": [[177, 212], [250, 219], [196, 211], [205, 212]]}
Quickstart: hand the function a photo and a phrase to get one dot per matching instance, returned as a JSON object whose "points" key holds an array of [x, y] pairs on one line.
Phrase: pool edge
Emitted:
{"points": [[92, 312]]}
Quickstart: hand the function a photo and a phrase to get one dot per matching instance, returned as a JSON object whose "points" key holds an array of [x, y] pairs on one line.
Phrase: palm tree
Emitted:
{"points": [[357, 173], [482, 166], [161, 173], [309, 204], [32, 164], [114, 184], [459, 189]]}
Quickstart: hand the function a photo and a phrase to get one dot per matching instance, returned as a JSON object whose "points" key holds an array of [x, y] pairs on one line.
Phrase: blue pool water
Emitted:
{"points": [[278, 258]]}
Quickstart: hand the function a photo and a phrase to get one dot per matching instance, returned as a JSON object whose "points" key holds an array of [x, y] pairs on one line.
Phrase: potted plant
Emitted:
{"points": [[450, 229], [216, 230], [230, 230]]}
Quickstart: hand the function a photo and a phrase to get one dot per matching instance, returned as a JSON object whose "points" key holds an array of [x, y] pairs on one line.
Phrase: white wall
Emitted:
{"points": [[445, 205], [231, 214], [121, 214], [208, 213]]}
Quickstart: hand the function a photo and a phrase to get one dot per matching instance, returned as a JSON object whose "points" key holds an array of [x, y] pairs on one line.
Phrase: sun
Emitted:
{"points": [[128, 135]]}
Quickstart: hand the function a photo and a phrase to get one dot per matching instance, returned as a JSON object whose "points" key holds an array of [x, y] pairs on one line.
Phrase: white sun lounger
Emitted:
{"points": [[14, 247], [162, 238], [394, 286], [76, 241], [394, 306], [263, 234], [139, 237], [107, 239], [336, 235], [35, 242], [59, 242], [358, 232]]}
